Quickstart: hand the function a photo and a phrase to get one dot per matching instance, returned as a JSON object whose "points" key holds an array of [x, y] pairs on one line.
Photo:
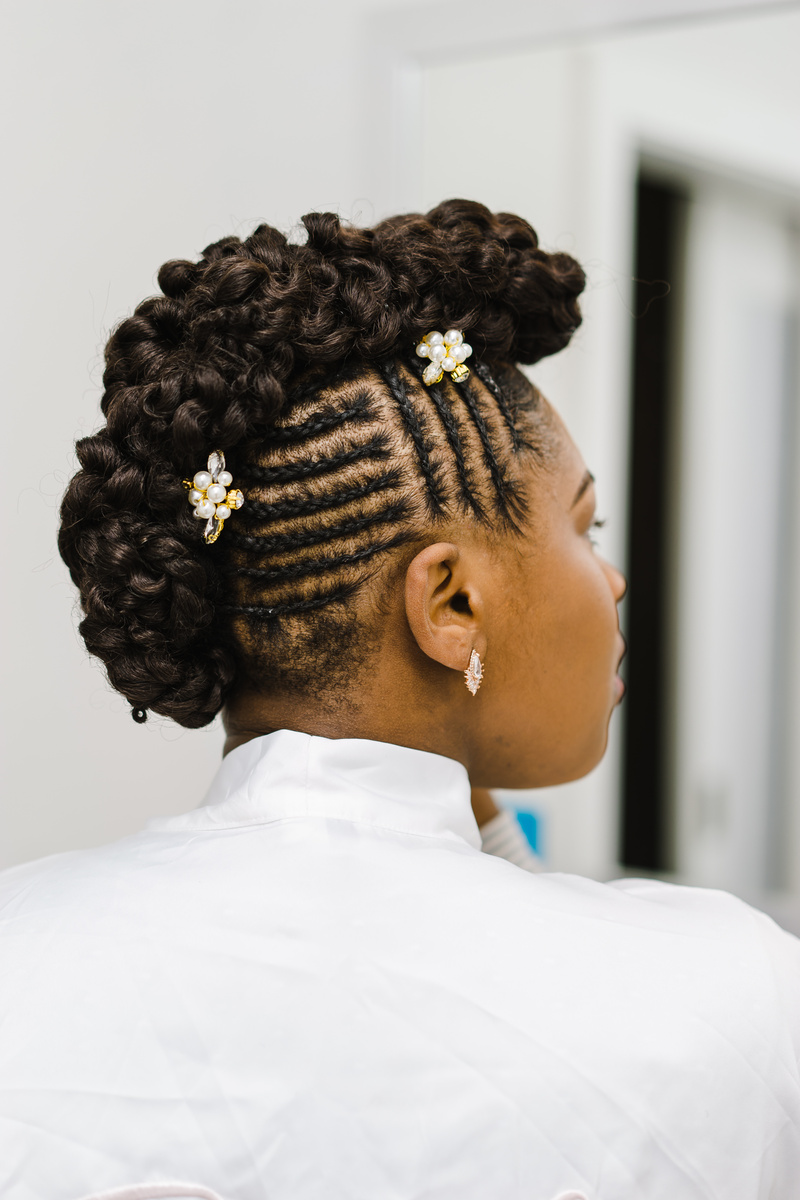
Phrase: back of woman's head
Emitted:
{"points": [[298, 363]]}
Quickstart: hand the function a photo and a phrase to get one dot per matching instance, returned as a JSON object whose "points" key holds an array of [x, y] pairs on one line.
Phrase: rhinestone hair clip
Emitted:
{"points": [[210, 498], [447, 352]]}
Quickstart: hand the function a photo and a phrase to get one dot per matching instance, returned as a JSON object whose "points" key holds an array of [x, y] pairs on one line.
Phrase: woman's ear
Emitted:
{"points": [[444, 604]]}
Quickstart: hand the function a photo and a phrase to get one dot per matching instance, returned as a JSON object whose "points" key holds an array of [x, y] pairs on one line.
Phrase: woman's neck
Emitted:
{"points": [[251, 715]]}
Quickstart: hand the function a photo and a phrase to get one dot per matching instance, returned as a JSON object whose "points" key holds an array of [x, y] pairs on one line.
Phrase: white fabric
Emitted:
{"points": [[157, 1191], [316, 987]]}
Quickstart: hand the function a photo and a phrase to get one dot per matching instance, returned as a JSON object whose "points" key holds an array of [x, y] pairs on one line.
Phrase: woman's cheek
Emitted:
{"points": [[592, 627]]}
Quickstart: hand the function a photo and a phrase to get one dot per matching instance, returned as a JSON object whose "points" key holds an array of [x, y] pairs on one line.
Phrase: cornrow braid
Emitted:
{"points": [[313, 467], [310, 387], [506, 492], [318, 566], [450, 426], [323, 422], [319, 534], [488, 381], [413, 422], [293, 361], [299, 506], [265, 613]]}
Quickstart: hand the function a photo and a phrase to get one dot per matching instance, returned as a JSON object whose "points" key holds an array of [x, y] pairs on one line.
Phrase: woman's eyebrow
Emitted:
{"points": [[586, 482]]}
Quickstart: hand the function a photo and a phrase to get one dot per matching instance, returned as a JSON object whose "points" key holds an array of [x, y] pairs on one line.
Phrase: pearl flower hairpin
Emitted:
{"points": [[447, 352], [210, 498]]}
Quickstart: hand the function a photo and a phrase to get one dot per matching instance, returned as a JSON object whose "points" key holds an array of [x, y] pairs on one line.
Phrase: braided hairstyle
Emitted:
{"points": [[297, 362]]}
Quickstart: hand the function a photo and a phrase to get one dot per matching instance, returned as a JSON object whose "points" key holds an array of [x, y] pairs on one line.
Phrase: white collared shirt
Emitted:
{"points": [[316, 987]]}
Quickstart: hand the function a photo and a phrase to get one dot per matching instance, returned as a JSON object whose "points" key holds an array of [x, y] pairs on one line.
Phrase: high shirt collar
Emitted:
{"points": [[291, 774]]}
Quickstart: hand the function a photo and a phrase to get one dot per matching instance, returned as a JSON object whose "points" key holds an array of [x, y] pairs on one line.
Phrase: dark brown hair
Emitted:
{"points": [[297, 362]]}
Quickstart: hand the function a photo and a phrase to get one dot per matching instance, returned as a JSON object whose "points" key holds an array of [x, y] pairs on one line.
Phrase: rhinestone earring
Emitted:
{"points": [[474, 672]]}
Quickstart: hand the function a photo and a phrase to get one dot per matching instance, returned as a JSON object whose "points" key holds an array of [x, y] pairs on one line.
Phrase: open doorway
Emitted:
{"points": [[710, 740]]}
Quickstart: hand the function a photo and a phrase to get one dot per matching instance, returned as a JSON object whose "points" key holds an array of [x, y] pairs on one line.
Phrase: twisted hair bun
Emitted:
{"points": [[209, 364]]}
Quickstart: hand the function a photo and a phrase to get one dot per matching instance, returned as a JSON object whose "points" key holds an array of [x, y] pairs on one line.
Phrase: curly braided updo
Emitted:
{"points": [[297, 362]]}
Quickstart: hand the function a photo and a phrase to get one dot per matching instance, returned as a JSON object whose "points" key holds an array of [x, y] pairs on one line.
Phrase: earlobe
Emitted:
{"points": [[444, 606]]}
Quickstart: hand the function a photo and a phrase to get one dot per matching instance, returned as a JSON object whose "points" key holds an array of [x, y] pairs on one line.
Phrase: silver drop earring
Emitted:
{"points": [[474, 672]]}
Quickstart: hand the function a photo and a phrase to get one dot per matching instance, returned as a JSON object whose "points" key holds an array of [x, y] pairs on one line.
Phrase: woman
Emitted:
{"points": [[315, 985]]}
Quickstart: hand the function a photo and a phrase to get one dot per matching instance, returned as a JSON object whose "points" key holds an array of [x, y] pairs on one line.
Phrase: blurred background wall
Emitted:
{"points": [[657, 141], [132, 134]]}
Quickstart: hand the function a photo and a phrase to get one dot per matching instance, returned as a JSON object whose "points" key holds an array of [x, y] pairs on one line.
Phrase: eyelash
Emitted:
{"points": [[597, 523]]}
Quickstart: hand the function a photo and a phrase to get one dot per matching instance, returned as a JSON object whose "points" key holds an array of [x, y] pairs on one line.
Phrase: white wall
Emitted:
{"points": [[133, 133]]}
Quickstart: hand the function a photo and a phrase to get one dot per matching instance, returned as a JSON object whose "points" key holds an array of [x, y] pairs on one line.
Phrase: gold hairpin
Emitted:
{"points": [[447, 352], [210, 498]]}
